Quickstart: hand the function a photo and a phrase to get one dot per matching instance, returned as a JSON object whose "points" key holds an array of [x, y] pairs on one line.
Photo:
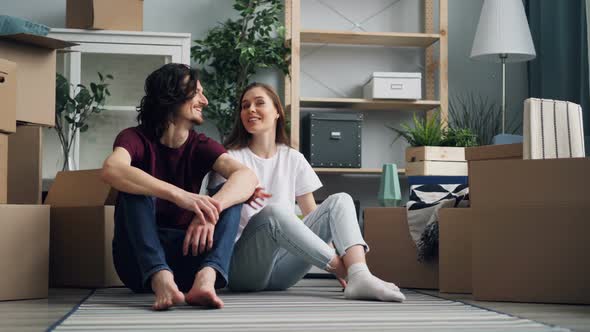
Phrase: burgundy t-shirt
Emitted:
{"points": [[184, 167]]}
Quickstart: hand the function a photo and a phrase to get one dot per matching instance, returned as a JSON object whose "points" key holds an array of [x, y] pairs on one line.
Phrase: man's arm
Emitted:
{"points": [[241, 181], [118, 172]]}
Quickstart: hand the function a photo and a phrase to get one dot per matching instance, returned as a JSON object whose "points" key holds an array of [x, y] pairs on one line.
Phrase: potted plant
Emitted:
{"points": [[73, 113], [234, 51], [435, 150], [482, 116]]}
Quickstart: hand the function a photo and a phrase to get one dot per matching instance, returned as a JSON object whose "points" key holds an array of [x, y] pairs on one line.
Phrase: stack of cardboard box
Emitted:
{"points": [[124, 15], [436, 161], [455, 227], [393, 255], [27, 98], [82, 228], [524, 239]]}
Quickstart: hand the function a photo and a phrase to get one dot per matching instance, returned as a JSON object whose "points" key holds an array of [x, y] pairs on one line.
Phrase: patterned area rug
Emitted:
{"points": [[313, 305]]}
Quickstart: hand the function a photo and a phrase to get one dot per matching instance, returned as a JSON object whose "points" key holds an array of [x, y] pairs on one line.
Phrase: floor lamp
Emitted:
{"points": [[503, 36]]}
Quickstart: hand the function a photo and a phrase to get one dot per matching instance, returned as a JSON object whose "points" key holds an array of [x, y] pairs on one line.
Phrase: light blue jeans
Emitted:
{"points": [[277, 249]]}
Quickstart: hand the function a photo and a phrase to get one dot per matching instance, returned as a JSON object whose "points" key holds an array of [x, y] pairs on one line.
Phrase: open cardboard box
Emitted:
{"points": [[3, 168], [35, 57], [82, 228], [532, 254], [25, 156], [8, 84], [24, 251], [488, 152], [101, 14], [503, 183], [454, 250], [530, 228], [393, 255]]}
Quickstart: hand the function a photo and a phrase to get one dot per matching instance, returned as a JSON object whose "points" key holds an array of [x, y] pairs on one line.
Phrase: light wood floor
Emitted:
{"points": [[38, 315]]}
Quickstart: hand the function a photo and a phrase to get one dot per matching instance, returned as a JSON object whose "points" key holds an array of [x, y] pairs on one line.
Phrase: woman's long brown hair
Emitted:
{"points": [[240, 137]]}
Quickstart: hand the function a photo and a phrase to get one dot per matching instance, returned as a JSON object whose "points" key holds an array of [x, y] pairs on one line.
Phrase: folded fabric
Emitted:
{"points": [[10, 25], [423, 206], [552, 129]]}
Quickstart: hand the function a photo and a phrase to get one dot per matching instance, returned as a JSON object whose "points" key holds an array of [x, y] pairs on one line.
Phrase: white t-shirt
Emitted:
{"points": [[285, 175]]}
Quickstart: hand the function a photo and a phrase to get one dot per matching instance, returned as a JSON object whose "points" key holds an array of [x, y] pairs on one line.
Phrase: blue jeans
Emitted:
{"points": [[141, 247]]}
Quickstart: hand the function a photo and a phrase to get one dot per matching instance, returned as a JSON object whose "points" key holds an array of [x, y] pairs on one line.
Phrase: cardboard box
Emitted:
{"points": [[532, 254], [487, 152], [435, 153], [454, 250], [36, 61], [82, 228], [393, 255], [8, 83], [506, 183], [25, 156], [24, 251], [436, 168], [3, 168], [124, 15]]}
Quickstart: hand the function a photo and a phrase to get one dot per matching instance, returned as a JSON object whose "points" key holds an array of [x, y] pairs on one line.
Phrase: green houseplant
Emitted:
{"points": [[234, 51], [435, 150], [430, 132], [482, 116], [73, 113]]}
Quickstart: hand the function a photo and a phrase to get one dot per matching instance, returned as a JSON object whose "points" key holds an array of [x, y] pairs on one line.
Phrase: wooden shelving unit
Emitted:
{"points": [[369, 104], [391, 39], [353, 170], [295, 36]]}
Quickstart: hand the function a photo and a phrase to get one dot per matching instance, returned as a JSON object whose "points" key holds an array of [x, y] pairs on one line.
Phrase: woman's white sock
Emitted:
{"points": [[362, 285]]}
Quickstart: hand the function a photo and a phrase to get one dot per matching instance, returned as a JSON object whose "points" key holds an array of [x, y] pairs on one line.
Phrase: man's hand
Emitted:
{"points": [[206, 208], [198, 238], [258, 197]]}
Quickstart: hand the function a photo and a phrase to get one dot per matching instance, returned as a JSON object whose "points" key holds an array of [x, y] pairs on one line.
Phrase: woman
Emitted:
{"points": [[274, 248]]}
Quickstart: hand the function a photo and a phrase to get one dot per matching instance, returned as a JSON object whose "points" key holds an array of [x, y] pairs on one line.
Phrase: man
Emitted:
{"points": [[168, 238]]}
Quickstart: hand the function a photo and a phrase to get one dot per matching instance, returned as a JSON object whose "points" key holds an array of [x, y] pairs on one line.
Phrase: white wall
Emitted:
{"points": [[343, 69]]}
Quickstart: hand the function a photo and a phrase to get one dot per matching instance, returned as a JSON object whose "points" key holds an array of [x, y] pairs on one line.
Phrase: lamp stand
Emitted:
{"points": [[504, 138], [503, 58]]}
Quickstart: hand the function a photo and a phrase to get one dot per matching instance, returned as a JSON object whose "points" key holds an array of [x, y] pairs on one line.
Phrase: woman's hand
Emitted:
{"points": [[258, 197], [198, 238], [206, 208]]}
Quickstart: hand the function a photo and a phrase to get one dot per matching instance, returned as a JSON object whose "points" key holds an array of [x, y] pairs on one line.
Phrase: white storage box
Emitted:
{"points": [[552, 129], [389, 85]]}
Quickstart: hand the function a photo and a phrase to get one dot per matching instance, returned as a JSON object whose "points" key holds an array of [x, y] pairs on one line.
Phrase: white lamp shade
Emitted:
{"points": [[503, 29]]}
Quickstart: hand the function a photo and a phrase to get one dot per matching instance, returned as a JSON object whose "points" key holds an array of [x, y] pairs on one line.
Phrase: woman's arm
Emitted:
{"points": [[306, 203]]}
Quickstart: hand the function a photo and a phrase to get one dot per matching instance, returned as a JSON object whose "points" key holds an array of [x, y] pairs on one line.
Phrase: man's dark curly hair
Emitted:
{"points": [[166, 89]]}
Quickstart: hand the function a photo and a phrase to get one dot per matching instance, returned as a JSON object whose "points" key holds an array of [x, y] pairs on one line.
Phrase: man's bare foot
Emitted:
{"points": [[167, 293], [203, 291]]}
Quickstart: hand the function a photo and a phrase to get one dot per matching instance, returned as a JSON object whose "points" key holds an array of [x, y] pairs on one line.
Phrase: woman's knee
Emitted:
{"points": [[275, 211], [339, 199], [273, 215]]}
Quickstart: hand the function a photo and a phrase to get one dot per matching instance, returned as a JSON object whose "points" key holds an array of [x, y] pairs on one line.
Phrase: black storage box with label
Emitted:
{"points": [[332, 139]]}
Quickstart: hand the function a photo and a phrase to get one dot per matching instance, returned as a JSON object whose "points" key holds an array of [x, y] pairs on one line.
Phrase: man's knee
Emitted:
{"points": [[127, 199], [229, 222]]}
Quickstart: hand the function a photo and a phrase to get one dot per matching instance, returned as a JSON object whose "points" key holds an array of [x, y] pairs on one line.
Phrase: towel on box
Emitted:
{"points": [[423, 205], [552, 129]]}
